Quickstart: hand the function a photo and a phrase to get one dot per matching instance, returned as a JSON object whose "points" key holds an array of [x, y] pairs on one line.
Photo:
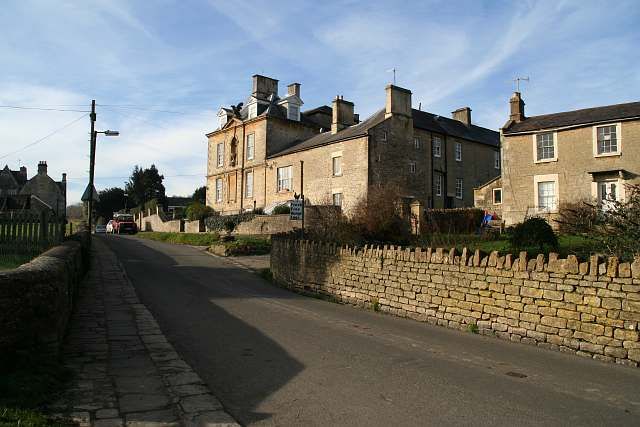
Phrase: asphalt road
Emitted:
{"points": [[276, 358]]}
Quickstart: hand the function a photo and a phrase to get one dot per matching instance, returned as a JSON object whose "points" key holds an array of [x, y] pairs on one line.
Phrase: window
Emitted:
{"points": [[496, 159], [337, 166], [220, 154], [412, 167], [438, 185], [459, 188], [218, 189], [607, 139], [337, 199], [497, 196], [545, 147], [251, 146], [608, 194], [222, 119], [248, 186], [437, 146], [384, 136], [293, 112], [417, 144], [458, 151], [285, 178], [546, 195], [253, 110]]}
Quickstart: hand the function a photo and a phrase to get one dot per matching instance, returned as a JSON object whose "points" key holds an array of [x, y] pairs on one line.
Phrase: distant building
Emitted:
{"points": [[41, 192], [254, 157], [582, 155]]}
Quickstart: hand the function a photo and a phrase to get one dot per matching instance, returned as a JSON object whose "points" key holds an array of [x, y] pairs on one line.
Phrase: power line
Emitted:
{"points": [[152, 110], [127, 177], [45, 137], [20, 107]]}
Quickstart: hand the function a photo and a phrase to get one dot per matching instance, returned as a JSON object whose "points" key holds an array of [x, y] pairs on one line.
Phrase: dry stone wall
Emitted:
{"points": [[589, 308]]}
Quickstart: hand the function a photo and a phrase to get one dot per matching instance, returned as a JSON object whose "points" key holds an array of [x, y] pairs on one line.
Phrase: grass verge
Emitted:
{"points": [[9, 261], [247, 245], [195, 239]]}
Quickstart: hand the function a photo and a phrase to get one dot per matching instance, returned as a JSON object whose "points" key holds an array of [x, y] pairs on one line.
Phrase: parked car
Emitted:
{"points": [[123, 223], [110, 227], [100, 229]]}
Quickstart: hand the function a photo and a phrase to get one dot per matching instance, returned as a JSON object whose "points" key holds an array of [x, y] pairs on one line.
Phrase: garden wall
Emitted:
{"points": [[196, 226], [36, 299], [267, 225], [589, 308]]}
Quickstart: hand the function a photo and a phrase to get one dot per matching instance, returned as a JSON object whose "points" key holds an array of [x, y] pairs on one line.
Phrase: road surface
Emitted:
{"points": [[276, 358]]}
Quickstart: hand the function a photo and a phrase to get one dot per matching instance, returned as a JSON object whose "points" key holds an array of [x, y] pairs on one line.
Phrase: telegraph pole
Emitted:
{"points": [[302, 192], [92, 160]]}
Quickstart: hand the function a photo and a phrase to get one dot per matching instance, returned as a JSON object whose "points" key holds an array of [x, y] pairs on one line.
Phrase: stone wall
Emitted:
{"points": [[589, 308], [156, 223], [267, 225], [36, 299], [196, 226]]}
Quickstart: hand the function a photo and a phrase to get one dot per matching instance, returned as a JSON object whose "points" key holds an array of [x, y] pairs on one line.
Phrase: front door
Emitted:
{"points": [[607, 194]]}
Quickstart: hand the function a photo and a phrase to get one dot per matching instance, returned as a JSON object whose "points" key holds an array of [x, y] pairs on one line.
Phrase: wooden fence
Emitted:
{"points": [[30, 233]]}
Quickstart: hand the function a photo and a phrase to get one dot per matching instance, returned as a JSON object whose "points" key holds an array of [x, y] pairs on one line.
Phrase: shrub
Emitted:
{"points": [[229, 226], [619, 228], [534, 233], [580, 217], [258, 211], [457, 221], [197, 211], [217, 222], [281, 210]]}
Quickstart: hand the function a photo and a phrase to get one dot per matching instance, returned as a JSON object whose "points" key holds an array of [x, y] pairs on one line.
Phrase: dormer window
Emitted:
{"points": [[253, 110], [222, 120], [293, 112]]}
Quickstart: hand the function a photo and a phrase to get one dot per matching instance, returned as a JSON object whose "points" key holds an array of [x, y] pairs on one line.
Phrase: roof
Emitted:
{"points": [[576, 118], [325, 138], [447, 126]]}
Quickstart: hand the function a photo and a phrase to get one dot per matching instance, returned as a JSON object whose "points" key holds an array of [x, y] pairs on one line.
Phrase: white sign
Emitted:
{"points": [[297, 209]]}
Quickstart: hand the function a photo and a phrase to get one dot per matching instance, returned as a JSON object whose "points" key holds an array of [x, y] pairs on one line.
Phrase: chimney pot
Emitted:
{"points": [[42, 167]]}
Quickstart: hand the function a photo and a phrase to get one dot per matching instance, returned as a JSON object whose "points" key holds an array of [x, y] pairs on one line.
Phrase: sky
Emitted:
{"points": [[160, 70]]}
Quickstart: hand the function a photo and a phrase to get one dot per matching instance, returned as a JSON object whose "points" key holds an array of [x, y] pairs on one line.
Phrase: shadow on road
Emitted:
{"points": [[241, 365]]}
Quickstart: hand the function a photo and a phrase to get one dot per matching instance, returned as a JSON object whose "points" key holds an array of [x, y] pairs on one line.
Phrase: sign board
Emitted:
{"points": [[297, 209]]}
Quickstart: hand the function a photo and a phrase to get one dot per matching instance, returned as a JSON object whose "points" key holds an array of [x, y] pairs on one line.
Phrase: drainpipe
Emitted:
{"points": [[446, 170], [430, 152], [244, 137]]}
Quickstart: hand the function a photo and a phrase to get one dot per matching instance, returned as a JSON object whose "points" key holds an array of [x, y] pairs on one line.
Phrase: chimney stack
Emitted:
{"points": [[264, 87], [42, 167], [462, 115], [294, 89], [23, 172], [64, 177], [342, 114], [398, 101], [517, 107]]}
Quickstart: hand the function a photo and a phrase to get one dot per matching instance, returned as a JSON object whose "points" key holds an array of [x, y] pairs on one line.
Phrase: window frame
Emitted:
{"points": [[618, 127], [554, 138], [279, 188], [461, 182], [219, 190], [436, 142], [493, 195], [417, 143], [383, 138], [220, 154], [438, 185], [333, 166], [251, 152], [537, 179], [458, 151], [412, 167], [333, 198], [247, 194]]}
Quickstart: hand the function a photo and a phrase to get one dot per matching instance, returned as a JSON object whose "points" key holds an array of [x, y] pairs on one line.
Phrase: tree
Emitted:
{"points": [[145, 185], [109, 201], [200, 195]]}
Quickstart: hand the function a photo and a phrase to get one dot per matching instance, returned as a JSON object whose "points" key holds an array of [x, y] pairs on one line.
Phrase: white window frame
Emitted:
{"points": [[546, 178], [458, 151], [412, 167], [437, 146], [333, 198], [494, 195], [220, 154], [417, 143], [438, 185], [496, 160], [280, 182], [459, 188], [618, 140], [251, 148], [248, 185], [253, 110], [219, 190], [555, 148], [336, 171]]}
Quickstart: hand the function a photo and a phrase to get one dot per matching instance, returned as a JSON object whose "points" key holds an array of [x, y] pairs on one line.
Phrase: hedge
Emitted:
{"points": [[463, 220], [217, 222]]}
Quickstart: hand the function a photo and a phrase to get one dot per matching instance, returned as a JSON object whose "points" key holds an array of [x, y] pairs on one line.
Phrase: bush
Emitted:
{"points": [[197, 211], [258, 211], [578, 217], [457, 221], [217, 222], [281, 210], [619, 228], [229, 226], [534, 233], [379, 217]]}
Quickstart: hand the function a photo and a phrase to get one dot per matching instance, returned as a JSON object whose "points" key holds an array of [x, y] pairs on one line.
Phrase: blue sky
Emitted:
{"points": [[159, 70]]}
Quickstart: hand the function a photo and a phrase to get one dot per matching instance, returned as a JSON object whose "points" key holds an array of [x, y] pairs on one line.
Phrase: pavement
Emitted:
{"points": [[273, 357], [125, 370]]}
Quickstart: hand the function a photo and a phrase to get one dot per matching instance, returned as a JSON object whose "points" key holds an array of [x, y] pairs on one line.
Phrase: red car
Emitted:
{"points": [[123, 223]]}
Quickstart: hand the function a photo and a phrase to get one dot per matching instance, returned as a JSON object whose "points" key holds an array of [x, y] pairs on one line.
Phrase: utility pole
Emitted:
{"points": [[92, 160], [302, 192]]}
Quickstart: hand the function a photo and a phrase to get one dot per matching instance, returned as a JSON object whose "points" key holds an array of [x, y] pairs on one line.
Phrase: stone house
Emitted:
{"points": [[41, 192], [548, 160], [267, 149]]}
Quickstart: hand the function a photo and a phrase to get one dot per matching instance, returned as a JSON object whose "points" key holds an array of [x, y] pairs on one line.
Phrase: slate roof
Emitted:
{"points": [[325, 138], [575, 118], [447, 126]]}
